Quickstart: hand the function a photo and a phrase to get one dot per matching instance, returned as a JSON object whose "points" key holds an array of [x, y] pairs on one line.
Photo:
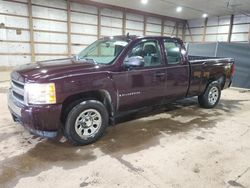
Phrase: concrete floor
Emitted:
{"points": [[181, 145]]}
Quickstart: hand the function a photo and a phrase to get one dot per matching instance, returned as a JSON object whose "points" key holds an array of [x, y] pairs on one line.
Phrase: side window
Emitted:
{"points": [[173, 52], [149, 50]]}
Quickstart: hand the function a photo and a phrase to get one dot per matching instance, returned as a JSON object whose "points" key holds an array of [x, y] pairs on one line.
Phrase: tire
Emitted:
{"points": [[86, 122], [211, 96]]}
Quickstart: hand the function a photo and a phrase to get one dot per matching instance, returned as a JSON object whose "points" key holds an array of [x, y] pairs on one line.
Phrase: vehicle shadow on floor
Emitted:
{"points": [[126, 137]]}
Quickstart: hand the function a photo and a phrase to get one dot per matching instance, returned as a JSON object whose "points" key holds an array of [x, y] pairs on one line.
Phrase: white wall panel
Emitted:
{"points": [[9, 34], [44, 58], [84, 29], [213, 21], [134, 25], [51, 48], [14, 60], [83, 18], [24, 1], [83, 8], [50, 37], [52, 3], [241, 28], [197, 31], [110, 31], [212, 30], [241, 19], [49, 25], [13, 8], [179, 36], [14, 21], [112, 13], [224, 20], [80, 39], [211, 38], [50, 18], [153, 20], [169, 23], [222, 38], [187, 39], [132, 32], [111, 22], [135, 17], [153, 34], [49, 13], [167, 35], [220, 28], [239, 37], [6, 47], [223, 29], [168, 30], [196, 23], [197, 38], [153, 27], [77, 49]]}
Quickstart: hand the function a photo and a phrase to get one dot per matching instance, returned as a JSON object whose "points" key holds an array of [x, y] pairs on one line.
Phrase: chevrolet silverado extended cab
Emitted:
{"points": [[84, 94]]}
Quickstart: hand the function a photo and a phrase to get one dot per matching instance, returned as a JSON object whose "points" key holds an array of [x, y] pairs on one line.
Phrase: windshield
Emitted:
{"points": [[103, 51]]}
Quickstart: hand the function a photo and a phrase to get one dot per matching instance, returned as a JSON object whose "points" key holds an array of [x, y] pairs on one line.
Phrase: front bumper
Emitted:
{"points": [[41, 120]]}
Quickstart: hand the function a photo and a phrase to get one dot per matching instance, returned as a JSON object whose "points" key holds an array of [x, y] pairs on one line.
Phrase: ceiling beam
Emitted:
{"points": [[69, 28], [124, 22], [177, 30], [249, 34], [205, 30], [31, 29], [184, 32], [189, 30], [230, 28], [144, 25]]}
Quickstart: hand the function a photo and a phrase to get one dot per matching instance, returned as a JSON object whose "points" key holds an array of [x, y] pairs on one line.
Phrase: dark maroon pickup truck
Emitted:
{"points": [[84, 94]]}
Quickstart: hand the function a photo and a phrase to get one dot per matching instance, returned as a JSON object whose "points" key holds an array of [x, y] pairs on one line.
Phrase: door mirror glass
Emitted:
{"points": [[134, 62]]}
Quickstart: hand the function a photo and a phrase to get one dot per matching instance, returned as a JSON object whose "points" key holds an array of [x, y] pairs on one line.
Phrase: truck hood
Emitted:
{"points": [[50, 69]]}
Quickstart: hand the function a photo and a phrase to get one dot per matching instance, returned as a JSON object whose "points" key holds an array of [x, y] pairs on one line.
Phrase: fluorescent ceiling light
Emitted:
{"points": [[204, 15], [144, 1], [178, 9]]}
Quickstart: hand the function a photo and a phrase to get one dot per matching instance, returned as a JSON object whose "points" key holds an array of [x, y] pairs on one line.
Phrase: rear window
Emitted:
{"points": [[173, 52]]}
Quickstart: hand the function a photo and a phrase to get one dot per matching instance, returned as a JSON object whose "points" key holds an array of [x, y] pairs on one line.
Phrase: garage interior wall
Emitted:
{"points": [[231, 28], [35, 30]]}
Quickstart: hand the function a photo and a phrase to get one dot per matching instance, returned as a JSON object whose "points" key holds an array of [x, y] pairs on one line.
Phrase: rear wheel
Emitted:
{"points": [[86, 122], [211, 96]]}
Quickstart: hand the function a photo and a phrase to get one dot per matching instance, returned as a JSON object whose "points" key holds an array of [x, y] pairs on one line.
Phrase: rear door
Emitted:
{"points": [[145, 85], [177, 70]]}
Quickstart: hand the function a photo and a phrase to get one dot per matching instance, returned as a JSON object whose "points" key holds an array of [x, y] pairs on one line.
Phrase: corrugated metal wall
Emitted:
{"points": [[218, 29], [38, 30], [238, 51]]}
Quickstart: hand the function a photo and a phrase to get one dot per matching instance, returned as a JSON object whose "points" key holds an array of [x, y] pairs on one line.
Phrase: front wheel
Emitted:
{"points": [[211, 97], [86, 122]]}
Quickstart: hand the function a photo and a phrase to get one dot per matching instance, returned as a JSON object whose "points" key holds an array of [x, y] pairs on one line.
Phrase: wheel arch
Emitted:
{"points": [[102, 96], [219, 79]]}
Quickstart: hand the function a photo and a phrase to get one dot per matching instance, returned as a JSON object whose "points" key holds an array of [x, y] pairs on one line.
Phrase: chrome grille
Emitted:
{"points": [[17, 90]]}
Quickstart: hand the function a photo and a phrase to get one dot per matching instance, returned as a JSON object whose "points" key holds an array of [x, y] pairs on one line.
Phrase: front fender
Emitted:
{"points": [[77, 84]]}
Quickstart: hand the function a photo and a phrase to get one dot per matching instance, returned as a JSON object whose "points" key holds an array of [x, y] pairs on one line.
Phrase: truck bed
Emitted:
{"points": [[204, 69]]}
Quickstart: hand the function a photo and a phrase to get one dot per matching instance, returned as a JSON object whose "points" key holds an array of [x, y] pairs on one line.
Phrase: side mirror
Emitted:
{"points": [[134, 62]]}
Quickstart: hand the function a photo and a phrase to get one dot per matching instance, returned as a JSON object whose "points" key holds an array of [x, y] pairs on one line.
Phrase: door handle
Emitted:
{"points": [[160, 74]]}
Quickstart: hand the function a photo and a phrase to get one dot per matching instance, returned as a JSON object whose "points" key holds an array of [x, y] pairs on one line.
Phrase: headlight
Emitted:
{"points": [[40, 93]]}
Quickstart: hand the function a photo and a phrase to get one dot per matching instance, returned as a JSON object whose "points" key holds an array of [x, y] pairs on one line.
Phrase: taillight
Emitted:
{"points": [[233, 69]]}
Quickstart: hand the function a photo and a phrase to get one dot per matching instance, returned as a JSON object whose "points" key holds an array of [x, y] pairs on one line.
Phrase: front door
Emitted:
{"points": [[142, 86]]}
